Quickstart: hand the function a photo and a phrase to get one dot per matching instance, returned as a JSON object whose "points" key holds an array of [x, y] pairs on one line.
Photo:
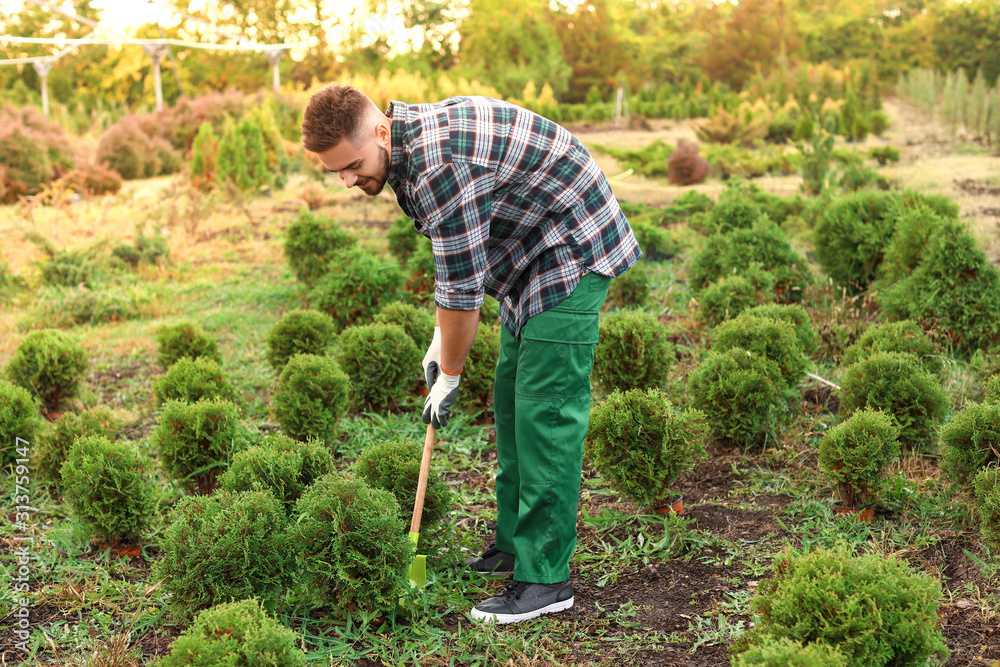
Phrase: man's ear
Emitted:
{"points": [[383, 135]]}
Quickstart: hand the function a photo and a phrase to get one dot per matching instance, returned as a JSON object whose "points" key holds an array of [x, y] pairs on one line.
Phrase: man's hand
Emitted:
{"points": [[432, 359], [437, 405]]}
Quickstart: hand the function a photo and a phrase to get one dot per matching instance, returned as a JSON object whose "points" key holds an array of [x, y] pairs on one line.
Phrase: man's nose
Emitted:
{"points": [[349, 178]]}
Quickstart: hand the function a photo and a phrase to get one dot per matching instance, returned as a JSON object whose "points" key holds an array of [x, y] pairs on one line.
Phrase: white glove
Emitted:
{"points": [[432, 359], [439, 399]]}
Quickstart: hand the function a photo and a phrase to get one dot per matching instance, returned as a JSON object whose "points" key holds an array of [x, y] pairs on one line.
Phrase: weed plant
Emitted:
{"points": [[312, 395], [184, 339], [233, 634], [640, 443], [394, 466], [355, 551], [109, 488], [50, 365], [895, 383], [855, 456], [74, 306], [50, 450], [283, 466], [971, 441], [299, 332], [632, 352], [191, 380], [380, 360], [18, 419], [195, 441], [225, 547]]}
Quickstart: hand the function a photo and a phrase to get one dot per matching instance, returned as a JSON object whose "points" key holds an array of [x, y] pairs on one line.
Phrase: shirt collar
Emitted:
{"points": [[396, 112]]}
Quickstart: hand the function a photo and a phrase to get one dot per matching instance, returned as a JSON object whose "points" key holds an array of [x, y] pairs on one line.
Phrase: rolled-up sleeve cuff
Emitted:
{"points": [[458, 301]]}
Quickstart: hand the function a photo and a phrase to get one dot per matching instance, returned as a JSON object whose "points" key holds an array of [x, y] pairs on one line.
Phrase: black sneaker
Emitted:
{"points": [[493, 563], [523, 601]]}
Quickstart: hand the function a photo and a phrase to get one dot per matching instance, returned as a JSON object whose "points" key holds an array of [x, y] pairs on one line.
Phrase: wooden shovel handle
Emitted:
{"points": [[425, 467]]}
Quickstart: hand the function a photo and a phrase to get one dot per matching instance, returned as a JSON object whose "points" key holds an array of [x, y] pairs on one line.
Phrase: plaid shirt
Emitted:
{"points": [[514, 206]]}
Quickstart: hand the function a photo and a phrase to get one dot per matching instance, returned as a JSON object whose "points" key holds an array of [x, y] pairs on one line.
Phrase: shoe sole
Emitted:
{"points": [[517, 618]]}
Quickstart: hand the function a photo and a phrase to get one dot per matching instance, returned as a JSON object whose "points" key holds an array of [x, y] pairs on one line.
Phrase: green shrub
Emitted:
{"points": [[943, 205], [311, 396], [190, 380], [852, 236], [419, 270], [280, 465], [884, 154], [235, 634], [740, 394], [311, 241], [987, 494], [640, 443], [658, 244], [736, 209], [489, 312], [632, 352], [805, 128], [855, 456], [416, 322], [72, 306], [793, 314], [50, 452], [18, 419], [630, 290], [195, 441], [360, 286], [878, 122], [774, 339], [816, 160], [149, 250], [68, 267], [109, 488], [48, 364], [356, 553], [875, 610], [908, 244], [784, 652], [862, 177], [203, 151], [706, 263], [731, 295], [895, 383], [971, 441], [992, 390], [224, 547], [394, 466], [299, 332], [955, 287], [905, 336], [475, 393], [380, 360], [403, 239], [184, 339]]}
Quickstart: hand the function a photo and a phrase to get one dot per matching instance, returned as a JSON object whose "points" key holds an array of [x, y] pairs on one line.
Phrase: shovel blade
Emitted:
{"points": [[418, 572]]}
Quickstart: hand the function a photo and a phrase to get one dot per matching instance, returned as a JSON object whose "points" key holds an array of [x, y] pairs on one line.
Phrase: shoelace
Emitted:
{"points": [[514, 588]]}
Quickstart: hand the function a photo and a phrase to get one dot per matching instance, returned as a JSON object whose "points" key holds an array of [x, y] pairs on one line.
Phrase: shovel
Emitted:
{"points": [[418, 569]]}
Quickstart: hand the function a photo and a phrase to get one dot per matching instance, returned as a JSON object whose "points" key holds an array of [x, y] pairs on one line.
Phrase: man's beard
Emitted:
{"points": [[383, 167]]}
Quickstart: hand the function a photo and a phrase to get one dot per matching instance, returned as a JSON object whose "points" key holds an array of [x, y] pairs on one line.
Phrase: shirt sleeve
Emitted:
{"points": [[454, 201]]}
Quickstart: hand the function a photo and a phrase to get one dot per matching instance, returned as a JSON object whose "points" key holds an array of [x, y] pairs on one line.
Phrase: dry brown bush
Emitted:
{"points": [[685, 166]]}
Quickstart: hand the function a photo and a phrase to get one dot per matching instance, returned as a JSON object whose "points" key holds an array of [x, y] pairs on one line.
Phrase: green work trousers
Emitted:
{"points": [[541, 401]]}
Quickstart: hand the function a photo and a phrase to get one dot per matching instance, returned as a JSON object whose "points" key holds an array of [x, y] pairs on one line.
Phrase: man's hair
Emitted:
{"points": [[334, 113]]}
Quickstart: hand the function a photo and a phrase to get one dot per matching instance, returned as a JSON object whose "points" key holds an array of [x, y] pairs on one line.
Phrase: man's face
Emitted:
{"points": [[365, 166]]}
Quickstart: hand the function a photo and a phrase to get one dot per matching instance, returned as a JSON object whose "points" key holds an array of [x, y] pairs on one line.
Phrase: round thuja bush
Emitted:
{"points": [[50, 365], [992, 390], [184, 339], [379, 359], [394, 466], [795, 315], [360, 286], [51, 450], [281, 465], [955, 288], [311, 242], [109, 488], [876, 611], [895, 383], [191, 380], [18, 419], [971, 441], [402, 238], [987, 494], [196, 440], [905, 336], [736, 209], [224, 547], [355, 550], [416, 322], [640, 443], [731, 295], [631, 289], [908, 244], [234, 634], [773, 339], [475, 393], [767, 244], [312, 395], [632, 352], [299, 332], [855, 456], [852, 235], [783, 652], [706, 265], [740, 393]]}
